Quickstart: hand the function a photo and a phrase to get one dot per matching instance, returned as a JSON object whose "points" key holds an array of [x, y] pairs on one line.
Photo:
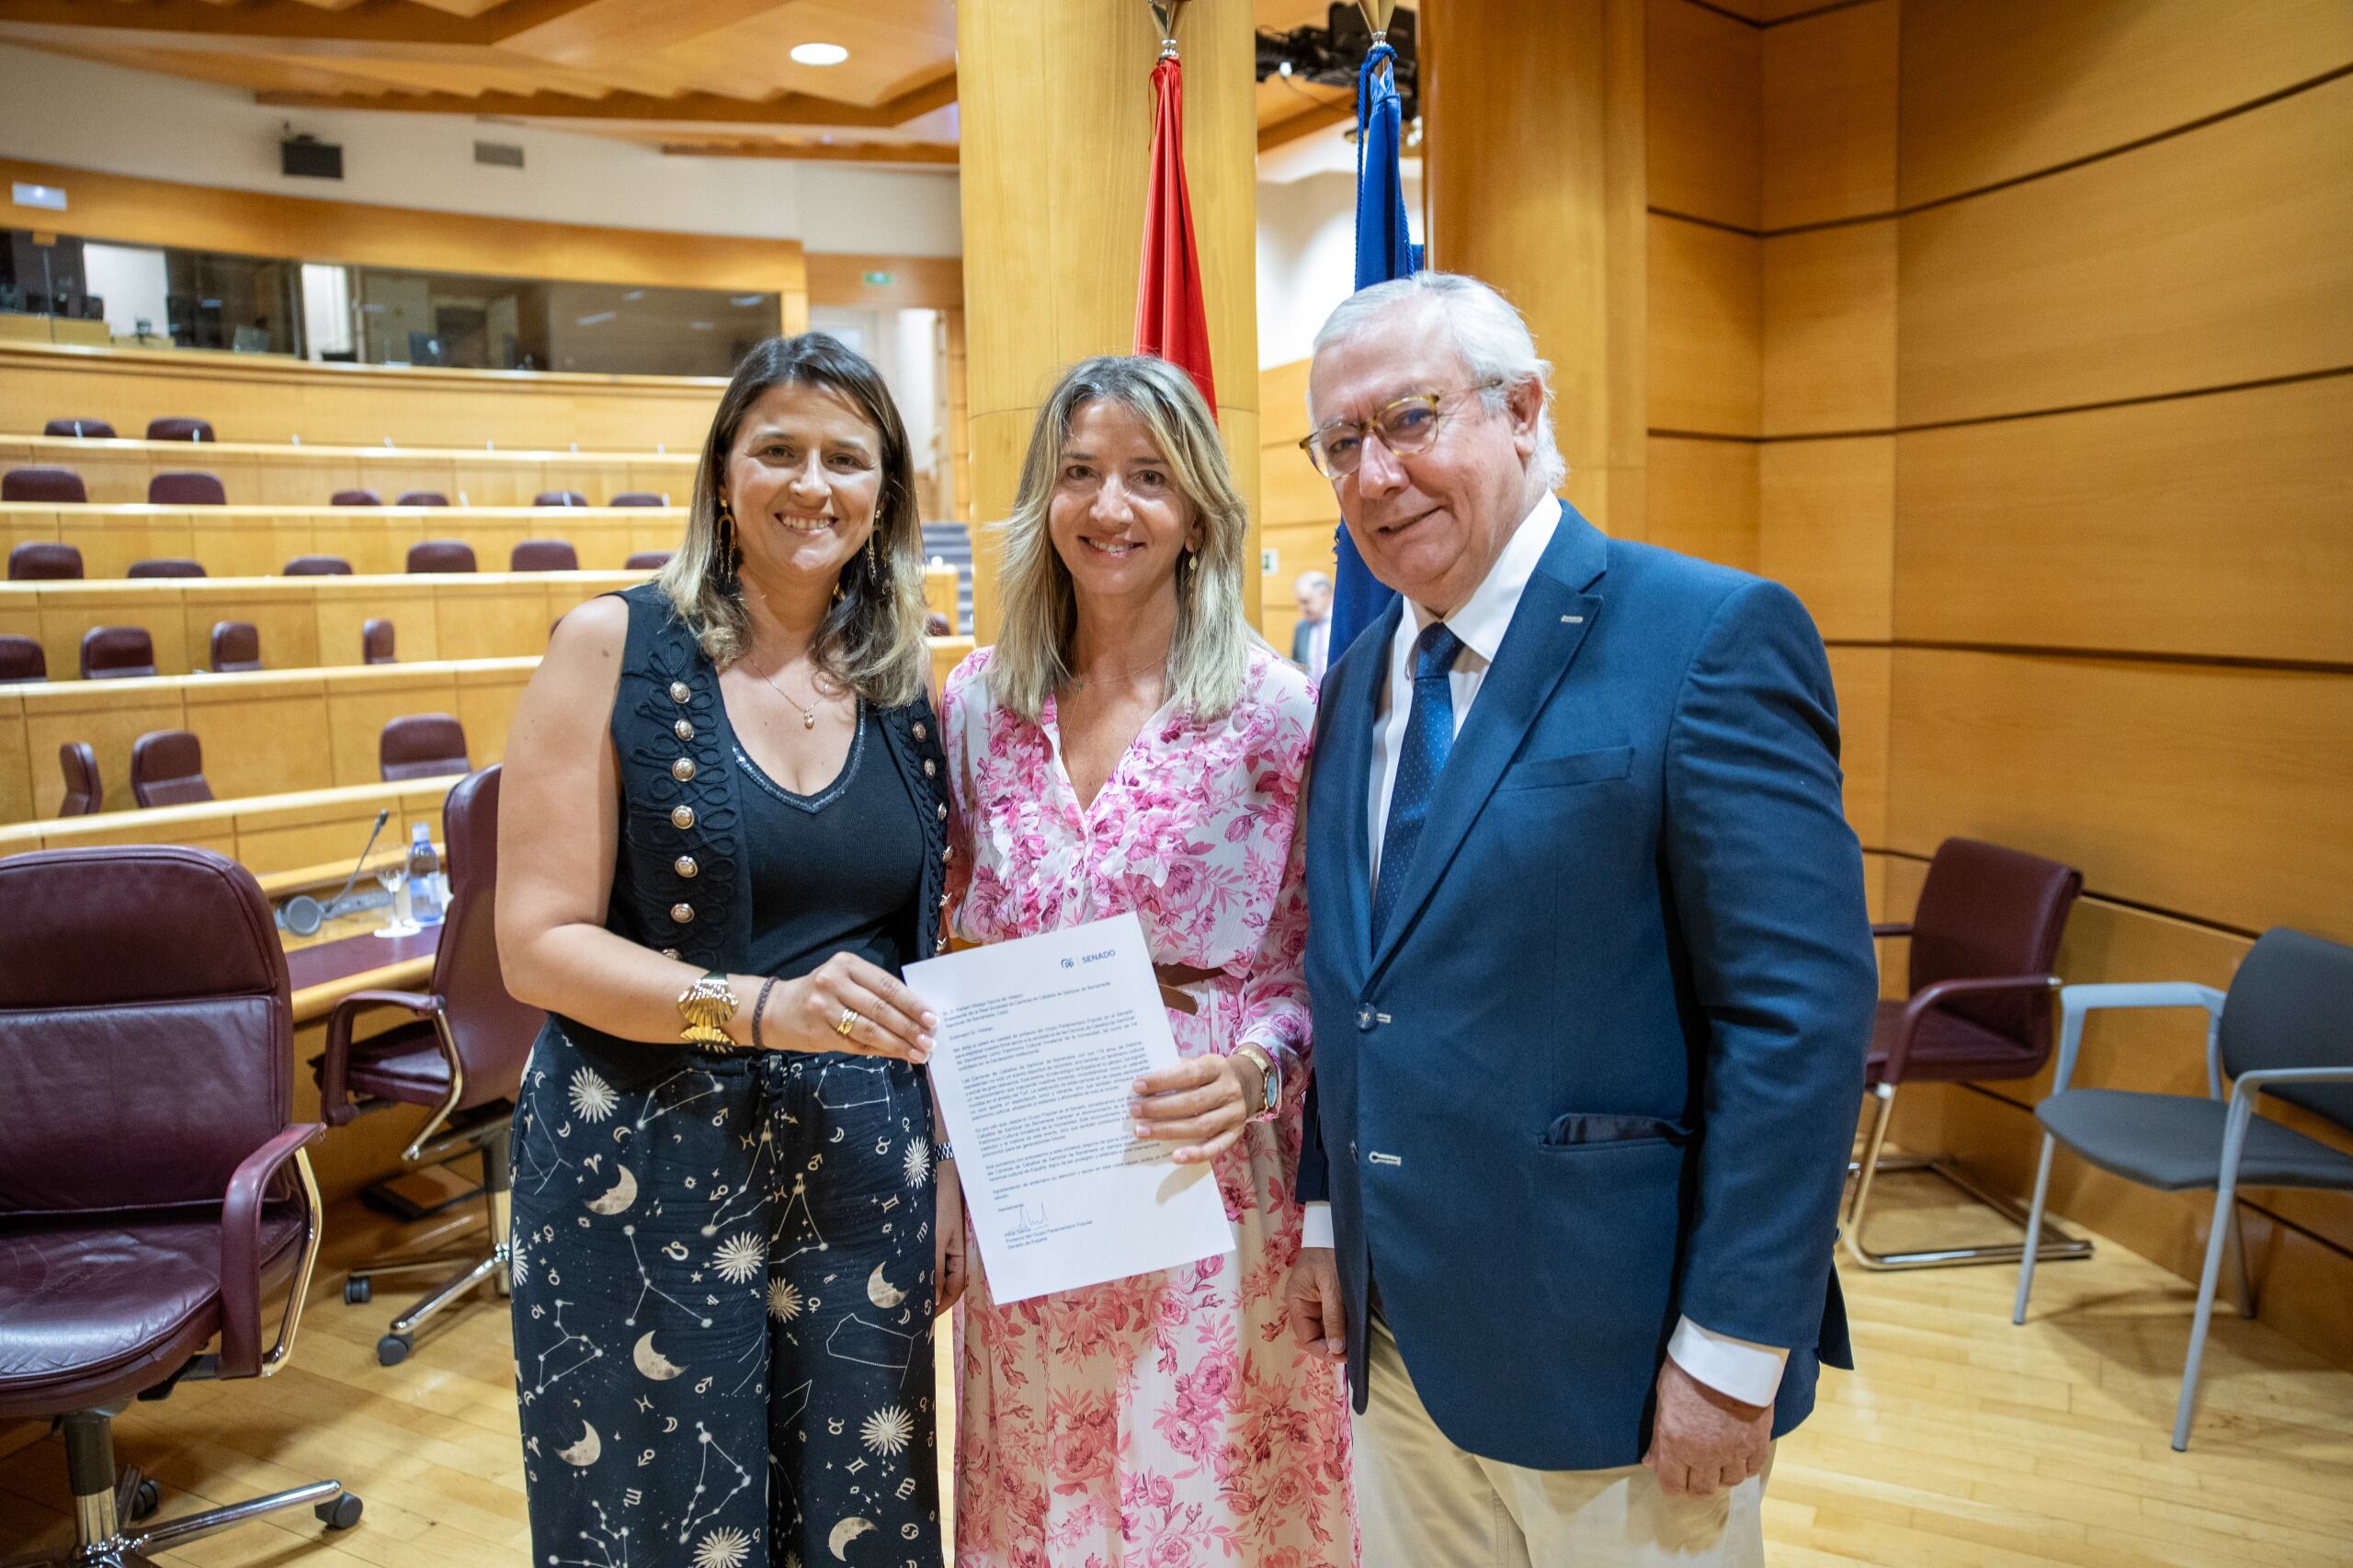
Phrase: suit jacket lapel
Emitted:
{"points": [[1545, 633], [1344, 764]]}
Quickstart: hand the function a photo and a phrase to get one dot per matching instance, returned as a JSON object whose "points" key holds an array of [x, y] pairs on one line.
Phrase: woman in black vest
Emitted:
{"points": [[723, 830]]}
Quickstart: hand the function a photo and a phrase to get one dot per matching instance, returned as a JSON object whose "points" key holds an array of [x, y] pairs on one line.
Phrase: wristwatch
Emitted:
{"points": [[1270, 1073], [706, 1005]]}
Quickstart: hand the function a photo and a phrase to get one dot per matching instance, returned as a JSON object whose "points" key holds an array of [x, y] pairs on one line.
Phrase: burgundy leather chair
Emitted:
{"points": [[84, 429], [167, 566], [316, 566], [441, 555], [543, 555], [376, 642], [236, 646], [421, 745], [422, 498], [167, 769], [180, 428], [559, 498], [117, 653], [462, 1054], [154, 1187], [186, 489], [638, 498], [84, 793], [648, 560], [42, 484], [44, 560], [21, 658], [356, 498], [1985, 934]]}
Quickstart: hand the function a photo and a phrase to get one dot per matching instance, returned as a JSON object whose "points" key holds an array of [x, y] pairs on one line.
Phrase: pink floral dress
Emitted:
{"points": [[1165, 1420]]}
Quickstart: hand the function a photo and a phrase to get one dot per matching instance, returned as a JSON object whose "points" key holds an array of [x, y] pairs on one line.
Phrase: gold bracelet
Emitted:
{"points": [[1270, 1079], [706, 1005]]}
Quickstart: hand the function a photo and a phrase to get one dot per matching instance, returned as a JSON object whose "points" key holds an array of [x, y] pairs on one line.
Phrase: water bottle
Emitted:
{"points": [[423, 896]]}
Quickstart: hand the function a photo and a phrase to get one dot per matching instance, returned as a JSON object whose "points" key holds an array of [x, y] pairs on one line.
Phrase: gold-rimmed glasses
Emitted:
{"points": [[1405, 426]]}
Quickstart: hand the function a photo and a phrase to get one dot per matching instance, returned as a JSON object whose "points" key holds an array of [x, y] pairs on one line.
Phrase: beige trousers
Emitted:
{"points": [[1425, 1504]]}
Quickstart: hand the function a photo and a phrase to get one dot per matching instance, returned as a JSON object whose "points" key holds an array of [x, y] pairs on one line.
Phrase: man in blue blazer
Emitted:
{"points": [[1592, 981]]}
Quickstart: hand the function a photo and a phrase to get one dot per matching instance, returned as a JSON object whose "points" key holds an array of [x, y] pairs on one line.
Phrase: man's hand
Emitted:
{"points": [[1311, 1298], [1703, 1439]]}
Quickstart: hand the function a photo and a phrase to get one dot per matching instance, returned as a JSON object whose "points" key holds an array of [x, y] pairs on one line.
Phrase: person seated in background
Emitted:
{"points": [[723, 833], [1311, 640]]}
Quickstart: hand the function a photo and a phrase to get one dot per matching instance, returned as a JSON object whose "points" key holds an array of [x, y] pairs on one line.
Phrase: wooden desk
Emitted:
{"points": [[259, 541], [344, 955]]}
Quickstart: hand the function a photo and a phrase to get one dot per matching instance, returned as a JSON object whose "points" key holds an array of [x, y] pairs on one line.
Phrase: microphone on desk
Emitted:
{"points": [[303, 914]]}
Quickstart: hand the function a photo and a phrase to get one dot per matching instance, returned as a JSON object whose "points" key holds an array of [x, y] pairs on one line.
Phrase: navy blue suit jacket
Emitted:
{"points": [[1602, 1069]]}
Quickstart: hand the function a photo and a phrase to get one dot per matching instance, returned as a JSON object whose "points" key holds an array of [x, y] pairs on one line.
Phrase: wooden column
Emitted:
{"points": [[1056, 103], [1533, 152]]}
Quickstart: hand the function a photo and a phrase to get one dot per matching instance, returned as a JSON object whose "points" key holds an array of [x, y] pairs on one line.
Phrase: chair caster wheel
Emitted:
{"points": [[392, 1349], [358, 1293], [145, 1500], [338, 1513]]}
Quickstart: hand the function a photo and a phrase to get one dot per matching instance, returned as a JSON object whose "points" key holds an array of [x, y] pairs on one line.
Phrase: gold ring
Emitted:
{"points": [[848, 1022]]}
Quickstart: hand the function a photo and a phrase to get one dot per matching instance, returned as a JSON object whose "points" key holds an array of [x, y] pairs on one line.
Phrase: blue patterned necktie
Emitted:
{"points": [[1429, 735]]}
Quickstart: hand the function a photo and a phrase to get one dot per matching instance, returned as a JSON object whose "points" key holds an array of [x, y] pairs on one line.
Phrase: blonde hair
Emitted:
{"points": [[1210, 653], [873, 639]]}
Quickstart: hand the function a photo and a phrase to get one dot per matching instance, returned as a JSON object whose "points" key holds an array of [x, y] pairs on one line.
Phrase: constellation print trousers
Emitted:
{"points": [[723, 1308]]}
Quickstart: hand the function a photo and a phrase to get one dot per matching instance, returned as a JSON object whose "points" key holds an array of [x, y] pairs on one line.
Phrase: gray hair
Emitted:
{"points": [[1310, 582], [1210, 653], [1490, 334]]}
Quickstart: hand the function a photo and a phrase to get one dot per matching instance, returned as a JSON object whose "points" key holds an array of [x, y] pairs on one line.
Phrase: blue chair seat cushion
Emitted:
{"points": [[2174, 1143]]}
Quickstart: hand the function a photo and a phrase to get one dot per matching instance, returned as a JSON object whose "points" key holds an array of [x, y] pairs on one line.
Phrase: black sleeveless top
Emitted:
{"points": [[688, 874], [836, 871]]}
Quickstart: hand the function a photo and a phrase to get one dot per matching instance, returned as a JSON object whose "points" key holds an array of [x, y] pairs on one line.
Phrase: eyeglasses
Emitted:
{"points": [[1405, 426]]}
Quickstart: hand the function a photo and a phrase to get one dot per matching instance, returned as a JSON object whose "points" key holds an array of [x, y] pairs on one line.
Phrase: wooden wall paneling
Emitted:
{"points": [[1996, 90], [1825, 529], [1861, 675], [490, 619], [1829, 330], [330, 825], [17, 770], [134, 534], [487, 691], [1701, 80], [2211, 258], [2212, 791], [163, 212], [262, 734], [1705, 329], [922, 282], [392, 475], [947, 652], [1829, 116], [110, 715], [2213, 526], [407, 602], [1704, 499], [256, 542]]}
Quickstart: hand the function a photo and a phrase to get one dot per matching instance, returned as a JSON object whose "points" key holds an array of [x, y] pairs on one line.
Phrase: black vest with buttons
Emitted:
{"points": [[679, 879]]}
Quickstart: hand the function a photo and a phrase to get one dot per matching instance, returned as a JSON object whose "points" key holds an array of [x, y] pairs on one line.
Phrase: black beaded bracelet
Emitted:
{"points": [[757, 1008]]}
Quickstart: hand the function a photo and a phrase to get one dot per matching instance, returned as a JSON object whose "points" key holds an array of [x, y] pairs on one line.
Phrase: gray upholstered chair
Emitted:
{"points": [[2284, 1029]]}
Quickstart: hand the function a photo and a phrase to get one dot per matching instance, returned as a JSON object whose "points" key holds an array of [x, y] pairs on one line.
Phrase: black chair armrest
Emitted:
{"points": [[1891, 929], [241, 1250], [1926, 999], [335, 1067]]}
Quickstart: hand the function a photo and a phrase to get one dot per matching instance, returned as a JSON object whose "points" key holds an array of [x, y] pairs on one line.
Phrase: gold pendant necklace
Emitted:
{"points": [[808, 717]]}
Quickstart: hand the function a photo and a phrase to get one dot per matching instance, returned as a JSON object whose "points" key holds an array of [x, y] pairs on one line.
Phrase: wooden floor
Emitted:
{"points": [[1961, 1443]]}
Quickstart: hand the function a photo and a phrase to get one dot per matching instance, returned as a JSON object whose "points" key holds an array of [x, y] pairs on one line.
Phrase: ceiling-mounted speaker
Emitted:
{"points": [[307, 157]]}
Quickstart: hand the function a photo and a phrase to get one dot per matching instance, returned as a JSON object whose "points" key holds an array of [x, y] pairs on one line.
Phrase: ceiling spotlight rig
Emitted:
{"points": [[1329, 55]]}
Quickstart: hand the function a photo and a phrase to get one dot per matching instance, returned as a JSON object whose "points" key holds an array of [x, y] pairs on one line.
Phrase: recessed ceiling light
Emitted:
{"points": [[819, 54]]}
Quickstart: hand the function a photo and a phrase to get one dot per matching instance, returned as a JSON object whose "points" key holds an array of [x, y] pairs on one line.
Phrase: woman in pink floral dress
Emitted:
{"points": [[1130, 744]]}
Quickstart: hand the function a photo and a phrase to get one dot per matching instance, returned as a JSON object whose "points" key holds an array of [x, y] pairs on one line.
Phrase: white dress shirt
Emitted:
{"points": [[1746, 1371]]}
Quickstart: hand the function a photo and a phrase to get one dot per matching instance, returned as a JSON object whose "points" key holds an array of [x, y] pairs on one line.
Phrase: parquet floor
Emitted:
{"points": [[1961, 1443]]}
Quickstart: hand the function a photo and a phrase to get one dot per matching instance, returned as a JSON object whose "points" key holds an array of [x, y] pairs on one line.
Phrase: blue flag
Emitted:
{"points": [[1384, 250]]}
